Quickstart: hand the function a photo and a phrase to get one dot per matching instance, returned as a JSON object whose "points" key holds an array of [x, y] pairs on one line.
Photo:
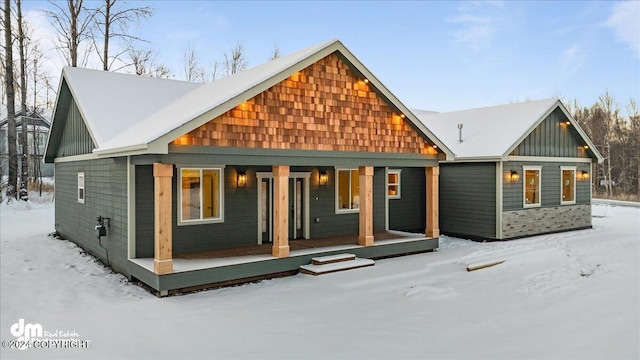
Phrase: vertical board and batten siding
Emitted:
{"points": [[106, 196], [552, 138], [468, 199], [550, 184], [75, 139], [409, 212], [241, 212]]}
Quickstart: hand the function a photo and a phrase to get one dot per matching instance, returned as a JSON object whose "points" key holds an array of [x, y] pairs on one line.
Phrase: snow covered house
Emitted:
{"points": [[37, 131], [519, 170], [248, 176]]}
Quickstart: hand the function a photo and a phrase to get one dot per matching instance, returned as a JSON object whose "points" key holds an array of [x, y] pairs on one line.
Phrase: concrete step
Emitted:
{"points": [[335, 266], [332, 259]]}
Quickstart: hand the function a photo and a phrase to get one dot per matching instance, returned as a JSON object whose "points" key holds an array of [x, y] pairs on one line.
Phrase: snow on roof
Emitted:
{"points": [[487, 132], [109, 101], [163, 120]]}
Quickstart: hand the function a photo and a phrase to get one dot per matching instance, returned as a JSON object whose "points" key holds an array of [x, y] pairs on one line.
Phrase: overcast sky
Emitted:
{"points": [[438, 56]]}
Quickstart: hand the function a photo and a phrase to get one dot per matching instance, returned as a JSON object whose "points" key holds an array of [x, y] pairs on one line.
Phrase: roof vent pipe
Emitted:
{"points": [[459, 133]]}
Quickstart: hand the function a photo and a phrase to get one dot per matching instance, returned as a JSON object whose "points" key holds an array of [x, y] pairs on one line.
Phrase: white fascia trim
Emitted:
{"points": [[548, 159], [123, 151], [76, 158]]}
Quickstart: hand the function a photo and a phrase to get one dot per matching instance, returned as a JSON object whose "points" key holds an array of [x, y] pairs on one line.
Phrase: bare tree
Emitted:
{"points": [[11, 111], [234, 60], [73, 25], [275, 52], [144, 63], [24, 164], [214, 71], [192, 70], [113, 23]]}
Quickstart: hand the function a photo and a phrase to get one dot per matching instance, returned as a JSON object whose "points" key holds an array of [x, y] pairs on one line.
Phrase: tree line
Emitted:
{"points": [[86, 34], [617, 138]]}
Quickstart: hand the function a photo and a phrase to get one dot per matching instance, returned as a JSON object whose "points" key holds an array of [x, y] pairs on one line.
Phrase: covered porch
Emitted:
{"points": [[281, 246]]}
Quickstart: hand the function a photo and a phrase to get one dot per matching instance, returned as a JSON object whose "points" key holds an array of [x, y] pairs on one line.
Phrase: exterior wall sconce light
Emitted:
{"points": [[515, 176], [585, 147], [402, 116], [366, 81], [242, 179], [567, 122], [323, 178], [584, 175]]}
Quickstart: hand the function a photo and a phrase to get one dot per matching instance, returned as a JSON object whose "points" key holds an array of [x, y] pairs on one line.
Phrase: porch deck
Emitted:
{"points": [[217, 266]]}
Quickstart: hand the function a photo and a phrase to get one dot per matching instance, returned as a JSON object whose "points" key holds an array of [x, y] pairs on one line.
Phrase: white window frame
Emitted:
{"points": [[575, 171], [81, 186], [399, 193], [337, 190], [219, 219], [524, 186]]}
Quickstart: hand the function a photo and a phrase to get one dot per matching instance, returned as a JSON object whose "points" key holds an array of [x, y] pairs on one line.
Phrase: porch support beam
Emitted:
{"points": [[433, 226], [163, 241], [280, 247], [365, 237]]}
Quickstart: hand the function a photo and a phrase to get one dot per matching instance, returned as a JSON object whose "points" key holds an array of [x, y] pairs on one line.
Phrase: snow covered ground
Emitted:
{"points": [[573, 295]]}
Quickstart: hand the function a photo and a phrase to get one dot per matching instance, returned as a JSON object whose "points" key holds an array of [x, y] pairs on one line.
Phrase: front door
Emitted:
{"points": [[298, 207]]}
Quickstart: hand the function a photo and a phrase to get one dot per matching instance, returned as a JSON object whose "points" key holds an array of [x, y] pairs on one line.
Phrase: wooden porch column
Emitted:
{"points": [[280, 211], [365, 237], [433, 227], [163, 241]]}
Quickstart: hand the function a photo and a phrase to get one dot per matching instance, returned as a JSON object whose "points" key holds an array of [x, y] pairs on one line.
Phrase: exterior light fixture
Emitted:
{"points": [[323, 178], [242, 179], [435, 146], [402, 116], [515, 176], [585, 147], [584, 175], [366, 81]]}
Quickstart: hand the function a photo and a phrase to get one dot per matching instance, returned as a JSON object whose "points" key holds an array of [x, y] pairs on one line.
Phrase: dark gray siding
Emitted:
{"points": [[409, 212], [550, 184], [105, 195], [468, 199], [240, 225], [552, 138], [76, 139]]}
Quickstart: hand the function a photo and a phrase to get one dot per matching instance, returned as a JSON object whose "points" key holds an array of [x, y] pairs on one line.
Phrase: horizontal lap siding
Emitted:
{"points": [[105, 195], [468, 199], [240, 214], [409, 212], [550, 185]]}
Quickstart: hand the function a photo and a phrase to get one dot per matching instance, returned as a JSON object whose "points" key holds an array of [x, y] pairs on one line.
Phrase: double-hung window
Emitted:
{"points": [[568, 186], [81, 187], [201, 195], [347, 190], [532, 179]]}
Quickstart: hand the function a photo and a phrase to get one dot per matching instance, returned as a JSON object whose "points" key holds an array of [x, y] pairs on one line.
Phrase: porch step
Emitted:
{"points": [[336, 266], [323, 260]]}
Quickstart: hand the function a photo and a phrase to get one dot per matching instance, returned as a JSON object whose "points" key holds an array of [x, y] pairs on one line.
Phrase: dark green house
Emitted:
{"points": [[520, 170], [245, 177]]}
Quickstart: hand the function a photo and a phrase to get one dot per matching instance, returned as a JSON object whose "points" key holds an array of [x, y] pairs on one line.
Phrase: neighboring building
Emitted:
{"points": [[520, 170], [244, 177], [37, 132]]}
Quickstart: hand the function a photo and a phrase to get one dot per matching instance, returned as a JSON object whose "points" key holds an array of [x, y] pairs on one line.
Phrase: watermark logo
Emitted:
{"points": [[33, 336], [24, 333]]}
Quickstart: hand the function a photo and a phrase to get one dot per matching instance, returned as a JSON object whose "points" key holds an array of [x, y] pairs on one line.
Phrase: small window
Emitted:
{"points": [[568, 186], [532, 186], [81, 188], [393, 184], [201, 195], [347, 190]]}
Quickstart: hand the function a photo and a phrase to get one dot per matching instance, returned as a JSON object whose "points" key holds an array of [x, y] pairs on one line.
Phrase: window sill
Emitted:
{"points": [[200, 222]]}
